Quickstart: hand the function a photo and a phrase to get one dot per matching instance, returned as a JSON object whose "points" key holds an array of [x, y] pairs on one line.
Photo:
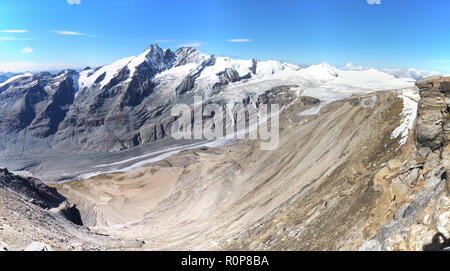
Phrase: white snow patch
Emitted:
{"points": [[410, 99], [322, 81], [87, 78]]}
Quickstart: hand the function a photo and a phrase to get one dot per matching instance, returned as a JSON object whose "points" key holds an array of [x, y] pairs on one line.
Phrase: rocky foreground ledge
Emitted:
{"points": [[415, 204], [35, 217]]}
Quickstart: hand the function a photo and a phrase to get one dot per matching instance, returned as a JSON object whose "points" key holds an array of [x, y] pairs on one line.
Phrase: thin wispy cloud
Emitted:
{"points": [[74, 2], [26, 50], [14, 31], [374, 2], [191, 44], [66, 32], [71, 33], [240, 40]]}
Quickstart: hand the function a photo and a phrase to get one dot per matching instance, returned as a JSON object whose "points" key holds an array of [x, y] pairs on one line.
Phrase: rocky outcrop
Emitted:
{"points": [[253, 68], [31, 190], [46, 122], [185, 55], [188, 82], [40, 194], [431, 122], [29, 221], [283, 95], [413, 212], [229, 75]]}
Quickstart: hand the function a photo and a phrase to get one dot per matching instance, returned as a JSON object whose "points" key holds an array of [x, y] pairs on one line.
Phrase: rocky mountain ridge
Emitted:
{"points": [[117, 106], [126, 105], [352, 183], [367, 190], [35, 217]]}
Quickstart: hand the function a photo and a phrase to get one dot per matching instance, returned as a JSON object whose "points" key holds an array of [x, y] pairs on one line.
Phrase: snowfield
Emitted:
{"points": [[322, 81]]}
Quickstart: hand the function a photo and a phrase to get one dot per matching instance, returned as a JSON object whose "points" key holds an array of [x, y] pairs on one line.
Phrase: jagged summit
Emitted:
{"points": [[156, 56], [127, 103], [187, 55], [154, 47], [346, 140]]}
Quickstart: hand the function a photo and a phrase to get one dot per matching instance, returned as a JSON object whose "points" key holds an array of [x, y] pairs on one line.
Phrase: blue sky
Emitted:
{"points": [[63, 33]]}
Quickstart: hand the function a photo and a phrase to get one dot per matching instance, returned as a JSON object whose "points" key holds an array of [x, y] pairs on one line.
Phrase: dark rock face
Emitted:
{"points": [[47, 121], [117, 108], [188, 82], [422, 184], [229, 75], [141, 85], [309, 101], [37, 103], [71, 213], [50, 110], [31, 189], [186, 55], [282, 95], [186, 85], [433, 112], [40, 194], [253, 68], [433, 122]]}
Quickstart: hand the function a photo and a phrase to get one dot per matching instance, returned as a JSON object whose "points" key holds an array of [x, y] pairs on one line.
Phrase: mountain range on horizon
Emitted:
{"points": [[361, 162], [413, 73], [127, 104], [241, 127]]}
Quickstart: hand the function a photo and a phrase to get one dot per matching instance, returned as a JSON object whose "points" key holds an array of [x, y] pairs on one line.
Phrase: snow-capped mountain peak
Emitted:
{"points": [[323, 70], [136, 94], [153, 56], [187, 69], [187, 55]]}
